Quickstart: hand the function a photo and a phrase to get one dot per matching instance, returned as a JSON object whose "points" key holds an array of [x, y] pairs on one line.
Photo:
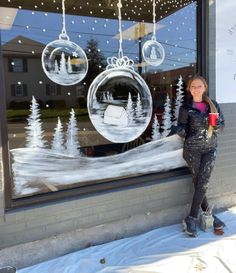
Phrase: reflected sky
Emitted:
{"points": [[177, 34]]}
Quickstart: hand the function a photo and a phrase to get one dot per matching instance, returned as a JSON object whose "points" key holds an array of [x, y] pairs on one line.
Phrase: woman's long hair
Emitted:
{"points": [[205, 98]]}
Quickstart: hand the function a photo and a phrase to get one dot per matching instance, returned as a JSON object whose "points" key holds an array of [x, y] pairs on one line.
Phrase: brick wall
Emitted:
{"points": [[39, 222], [224, 176]]}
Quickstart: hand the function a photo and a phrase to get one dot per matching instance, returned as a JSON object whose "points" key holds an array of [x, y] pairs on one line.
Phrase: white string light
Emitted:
{"points": [[157, 3]]}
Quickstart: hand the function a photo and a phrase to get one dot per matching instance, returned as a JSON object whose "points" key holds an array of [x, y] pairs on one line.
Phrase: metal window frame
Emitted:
{"points": [[20, 68], [202, 69], [203, 38], [4, 145]]}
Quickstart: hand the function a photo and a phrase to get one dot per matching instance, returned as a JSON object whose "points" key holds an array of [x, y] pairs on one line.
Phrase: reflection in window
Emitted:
{"points": [[19, 90], [17, 65], [53, 90], [98, 37]]}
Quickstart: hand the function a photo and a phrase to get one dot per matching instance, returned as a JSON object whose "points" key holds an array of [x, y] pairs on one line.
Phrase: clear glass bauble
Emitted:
{"points": [[153, 52], [64, 62], [119, 104]]}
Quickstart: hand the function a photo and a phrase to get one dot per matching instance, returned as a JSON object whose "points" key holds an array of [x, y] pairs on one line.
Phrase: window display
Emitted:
{"points": [[56, 139]]}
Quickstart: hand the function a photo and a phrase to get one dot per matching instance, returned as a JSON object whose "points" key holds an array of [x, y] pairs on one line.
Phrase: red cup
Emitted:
{"points": [[213, 117]]}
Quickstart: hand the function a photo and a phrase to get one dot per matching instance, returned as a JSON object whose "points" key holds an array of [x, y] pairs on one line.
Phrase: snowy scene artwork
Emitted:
{"points": [[37, 169], [153, 53], [119, 104], [64, 62], [41, 166], [163, 129]]}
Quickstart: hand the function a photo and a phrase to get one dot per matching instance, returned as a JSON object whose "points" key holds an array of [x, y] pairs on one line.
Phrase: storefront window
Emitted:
{"points": [[53, 144]]}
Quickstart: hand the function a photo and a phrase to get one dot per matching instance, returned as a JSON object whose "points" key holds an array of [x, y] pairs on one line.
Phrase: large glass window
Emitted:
{"points": [[53, 144]]}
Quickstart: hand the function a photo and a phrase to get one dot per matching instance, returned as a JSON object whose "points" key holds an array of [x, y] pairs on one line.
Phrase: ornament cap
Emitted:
{"points": [[64, 36], [119, 5]]}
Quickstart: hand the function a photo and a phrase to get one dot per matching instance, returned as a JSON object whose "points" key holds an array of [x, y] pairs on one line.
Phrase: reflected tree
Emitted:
{"points": [[96, 59]]}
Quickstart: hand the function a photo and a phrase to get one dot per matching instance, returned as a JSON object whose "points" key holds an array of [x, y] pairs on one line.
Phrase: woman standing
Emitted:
{"points": [[200, 142]]}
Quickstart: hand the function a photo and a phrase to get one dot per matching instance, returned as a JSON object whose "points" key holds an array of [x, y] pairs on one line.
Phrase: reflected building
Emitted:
{"points": [[24, 77]]}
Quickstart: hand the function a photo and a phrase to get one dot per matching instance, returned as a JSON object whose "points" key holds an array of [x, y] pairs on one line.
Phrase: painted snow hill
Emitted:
{"points": [[37, 170]]}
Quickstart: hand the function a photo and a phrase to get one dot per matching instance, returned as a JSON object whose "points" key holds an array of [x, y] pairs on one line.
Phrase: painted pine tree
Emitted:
{"points": [[56, 69], [109, 96], [179, 99], [139, 108], [34, 132], [130, 109], [63, 64], [96, 105], [155, 129], [69, 66], [104, 97], [166, 120], [72, 142], [58, 139]]}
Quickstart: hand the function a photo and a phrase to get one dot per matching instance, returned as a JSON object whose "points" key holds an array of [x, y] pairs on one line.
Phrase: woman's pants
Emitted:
{"points": [[201, 163]]}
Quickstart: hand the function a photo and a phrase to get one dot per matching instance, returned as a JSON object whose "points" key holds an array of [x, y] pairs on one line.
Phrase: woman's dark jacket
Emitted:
{"points": [[193, 126]]}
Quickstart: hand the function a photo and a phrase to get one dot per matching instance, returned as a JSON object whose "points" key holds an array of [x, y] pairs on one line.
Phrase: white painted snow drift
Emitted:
{"points": [[33, 167], [163, 250]]}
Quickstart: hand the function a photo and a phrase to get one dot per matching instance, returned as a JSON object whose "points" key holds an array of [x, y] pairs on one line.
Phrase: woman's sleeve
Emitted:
{"points": [[221, 121], [182, 122]]}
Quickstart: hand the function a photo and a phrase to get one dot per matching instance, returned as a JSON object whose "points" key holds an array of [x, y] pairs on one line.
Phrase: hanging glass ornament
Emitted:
{"points": [[152, 51], [63, 61], [119, 100]]}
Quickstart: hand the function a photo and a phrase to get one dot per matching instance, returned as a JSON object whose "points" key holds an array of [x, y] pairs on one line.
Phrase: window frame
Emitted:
{"points": [[52, 90], [19, 90], [202, 69], [24, 65], [5, 158]]}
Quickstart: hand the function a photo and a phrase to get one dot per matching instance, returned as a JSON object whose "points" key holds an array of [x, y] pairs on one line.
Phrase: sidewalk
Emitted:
{"points": [[163, 250]]}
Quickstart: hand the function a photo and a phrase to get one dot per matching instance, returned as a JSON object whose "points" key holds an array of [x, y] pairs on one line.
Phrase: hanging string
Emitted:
{"points": [[121, 61], [154, 20], [63, 34], [119, 5]]}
